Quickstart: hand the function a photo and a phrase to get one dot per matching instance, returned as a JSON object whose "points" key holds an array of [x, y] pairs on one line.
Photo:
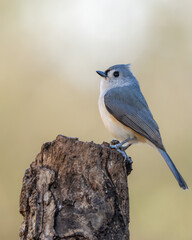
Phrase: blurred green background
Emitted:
{"points": [[50, 51]]}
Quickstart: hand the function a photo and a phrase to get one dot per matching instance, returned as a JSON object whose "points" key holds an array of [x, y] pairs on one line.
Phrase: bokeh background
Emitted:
{"points": [[49, 52]]}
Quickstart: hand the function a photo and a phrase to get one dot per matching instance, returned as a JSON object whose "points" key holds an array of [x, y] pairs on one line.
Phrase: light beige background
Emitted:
{"points": [[49, 52]]}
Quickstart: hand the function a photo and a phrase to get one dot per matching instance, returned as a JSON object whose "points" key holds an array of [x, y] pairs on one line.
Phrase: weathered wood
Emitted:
{"points": [[75, 190]]}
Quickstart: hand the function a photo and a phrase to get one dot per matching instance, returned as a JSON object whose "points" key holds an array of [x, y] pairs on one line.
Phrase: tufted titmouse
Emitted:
{"points": [[126, 115]]}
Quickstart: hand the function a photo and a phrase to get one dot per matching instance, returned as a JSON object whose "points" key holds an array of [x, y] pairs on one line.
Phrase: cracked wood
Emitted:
{"points": [[75, 190]]}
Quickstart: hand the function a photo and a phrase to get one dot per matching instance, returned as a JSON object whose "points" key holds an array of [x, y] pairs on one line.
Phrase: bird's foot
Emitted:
{"points": [[115, 144], [120, 145], [128, 161], [126, 157]]}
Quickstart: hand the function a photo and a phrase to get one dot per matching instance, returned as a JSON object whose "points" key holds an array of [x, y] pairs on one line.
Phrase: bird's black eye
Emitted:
{"points": [[116, 74]]}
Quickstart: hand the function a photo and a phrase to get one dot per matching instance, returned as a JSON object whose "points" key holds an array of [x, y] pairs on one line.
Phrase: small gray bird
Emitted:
{"points": [[126, 115]]}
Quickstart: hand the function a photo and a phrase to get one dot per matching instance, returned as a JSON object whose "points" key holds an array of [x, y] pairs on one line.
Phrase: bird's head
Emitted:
{"points": [[117, 75]]}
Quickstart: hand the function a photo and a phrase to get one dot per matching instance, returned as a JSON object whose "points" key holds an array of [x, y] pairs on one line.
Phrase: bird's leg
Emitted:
{"points": [[120, 145], [121, 149]]}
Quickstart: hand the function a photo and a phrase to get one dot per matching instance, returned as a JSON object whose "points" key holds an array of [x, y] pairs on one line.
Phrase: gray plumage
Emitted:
{"points": [[122, 98], [128, 105]]}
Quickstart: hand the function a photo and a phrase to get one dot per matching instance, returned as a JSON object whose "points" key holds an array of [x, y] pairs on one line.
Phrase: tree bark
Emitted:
{"points": [[75, 190]]}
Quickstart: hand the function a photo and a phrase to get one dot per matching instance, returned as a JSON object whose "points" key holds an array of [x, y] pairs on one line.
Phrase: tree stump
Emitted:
{"points": [[75, 190]]}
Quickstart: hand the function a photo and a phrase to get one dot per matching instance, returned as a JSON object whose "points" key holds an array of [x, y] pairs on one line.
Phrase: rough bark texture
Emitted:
{"points": [[75, 190]]}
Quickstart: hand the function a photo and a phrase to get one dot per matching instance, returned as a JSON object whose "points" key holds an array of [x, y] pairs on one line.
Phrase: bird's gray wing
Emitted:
{"points": [[128, 105]]}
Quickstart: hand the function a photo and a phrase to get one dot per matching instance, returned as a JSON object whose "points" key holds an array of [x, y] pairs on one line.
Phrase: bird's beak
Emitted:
{"points": [[102, 74]]}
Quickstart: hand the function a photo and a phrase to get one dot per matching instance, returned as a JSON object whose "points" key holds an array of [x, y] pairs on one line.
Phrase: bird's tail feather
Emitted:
{"points": [[173, 169]]}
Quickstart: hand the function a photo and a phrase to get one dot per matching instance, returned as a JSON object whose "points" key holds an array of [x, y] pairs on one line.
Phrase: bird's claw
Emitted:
{"points": [[128, 161]]}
